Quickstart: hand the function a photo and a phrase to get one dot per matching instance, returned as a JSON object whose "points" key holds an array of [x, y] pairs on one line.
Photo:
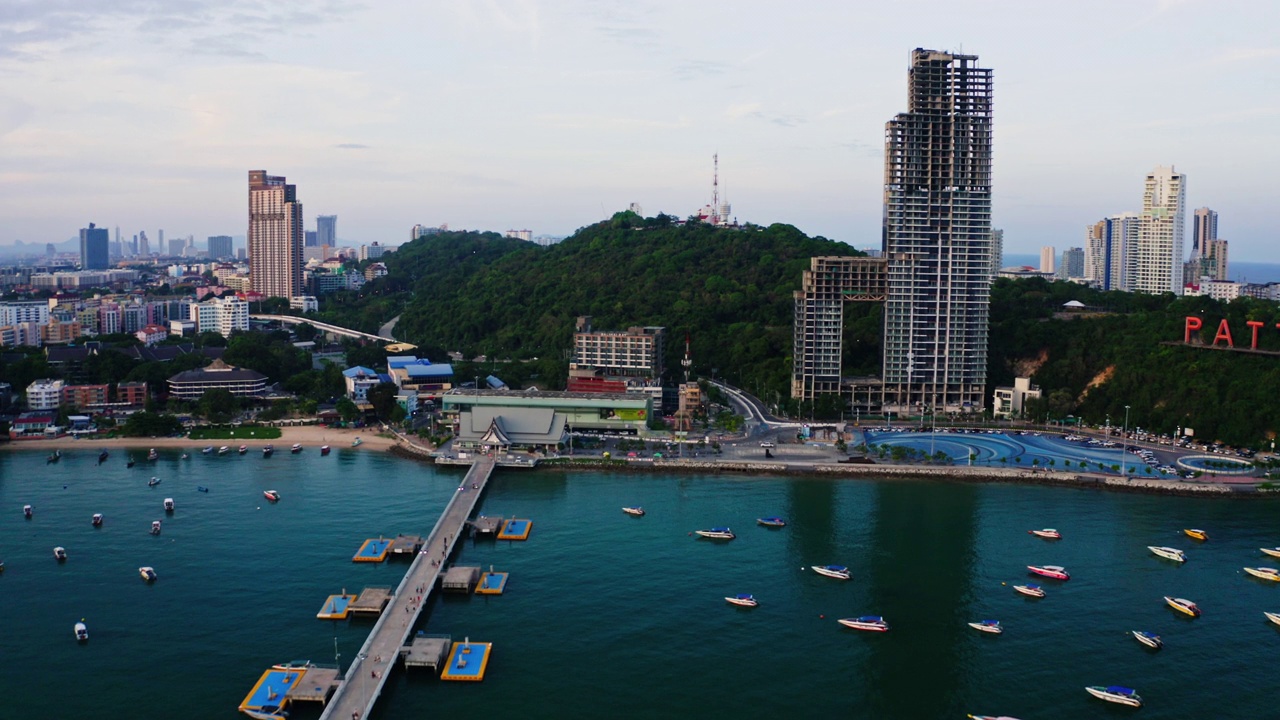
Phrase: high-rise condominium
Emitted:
{"points": [[1208, 251], [997, 251], [1157, 257], [937, 236], [327, 230], [1072, 265], [1204, 230], [275, 236], [144, 247], [220, 247], [94, 248], [1046, 259], [1108, 251]]}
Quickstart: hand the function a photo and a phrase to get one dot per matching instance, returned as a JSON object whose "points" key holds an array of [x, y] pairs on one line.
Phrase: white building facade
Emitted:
{"points": [[222, 315], [1157, 256]]}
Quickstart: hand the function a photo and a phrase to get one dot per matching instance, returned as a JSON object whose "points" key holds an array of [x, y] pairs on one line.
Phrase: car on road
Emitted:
{"points": [[767, 444]]}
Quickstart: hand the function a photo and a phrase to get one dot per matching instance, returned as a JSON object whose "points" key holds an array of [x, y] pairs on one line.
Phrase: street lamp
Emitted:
{"points": [[1124, 449]]}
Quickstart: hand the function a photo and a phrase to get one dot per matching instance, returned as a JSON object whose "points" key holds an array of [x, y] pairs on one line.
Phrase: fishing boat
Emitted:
{"points": [[82, 631], [1273, 617], [1034, 591], [148, 573], [719, 533], [742, 600], [324, 449], [1057, 572], [839, 572], [1264, 573], [1273, 552], [224, 449], [154, 481], [637, 511], [1116, 694], [102, 456], [1168, 553], [266, 451], [155, 527], [356, 442], [1183, 605], [987, 626], [26, 511], [1047, 533], [871, 623], [771, 522], [201, 488], [54, 457], [97, 519], [168, 505], [242, 449], [152, 454], [271, 495], [1196, 534], [59, 553], [297, 448], [1151, 640], [208, 450]]}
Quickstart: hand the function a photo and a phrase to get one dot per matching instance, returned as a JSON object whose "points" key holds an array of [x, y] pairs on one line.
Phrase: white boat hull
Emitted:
{"points": [[1118, 699], [1264, 573], [1273, 552], [1168, 553], [1029, 591], [1273, 617], [828, 572], [1155, 643], [993, 629]]}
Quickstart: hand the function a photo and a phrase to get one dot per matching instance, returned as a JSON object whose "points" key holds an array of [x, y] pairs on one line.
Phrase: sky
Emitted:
{"points": [[515, 114]]}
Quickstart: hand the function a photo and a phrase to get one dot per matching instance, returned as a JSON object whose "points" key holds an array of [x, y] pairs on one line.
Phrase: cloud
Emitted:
{"points": [[351, 146], [699, 69], [1249, 54]]}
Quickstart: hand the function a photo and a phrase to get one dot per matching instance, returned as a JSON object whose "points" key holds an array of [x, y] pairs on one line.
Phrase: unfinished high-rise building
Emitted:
{"points": [[937, 236], [818, 331]]}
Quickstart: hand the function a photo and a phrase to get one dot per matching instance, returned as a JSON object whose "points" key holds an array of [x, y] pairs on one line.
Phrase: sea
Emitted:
{"points": [[1251, 272], [609, 615]]}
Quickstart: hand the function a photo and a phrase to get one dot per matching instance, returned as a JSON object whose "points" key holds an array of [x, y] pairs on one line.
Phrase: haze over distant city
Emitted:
{"points": [[552, 115]]}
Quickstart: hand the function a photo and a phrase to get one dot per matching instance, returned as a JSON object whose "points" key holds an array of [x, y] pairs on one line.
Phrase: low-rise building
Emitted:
{"points": [[30, 424], [131, 394], [151, 334], [1009, 402], [241, 382], [304, 303], [44, 394], [611, 413], [428, 379], [359, 379], [85, 396]]}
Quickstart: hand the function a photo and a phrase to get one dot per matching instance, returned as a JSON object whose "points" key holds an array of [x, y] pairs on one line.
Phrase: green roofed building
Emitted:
{"points": [[529, 418]]}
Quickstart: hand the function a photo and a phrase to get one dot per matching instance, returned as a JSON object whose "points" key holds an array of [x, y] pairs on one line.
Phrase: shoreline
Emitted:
{"points": [[307, 435]]}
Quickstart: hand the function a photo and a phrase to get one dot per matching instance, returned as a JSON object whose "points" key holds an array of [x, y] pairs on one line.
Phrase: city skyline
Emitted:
{"points": [[498, 121]]}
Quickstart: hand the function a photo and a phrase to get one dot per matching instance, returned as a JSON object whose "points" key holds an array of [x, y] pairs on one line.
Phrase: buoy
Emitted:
{"points": [[822, 617], [1004, 583], [259, 507]]}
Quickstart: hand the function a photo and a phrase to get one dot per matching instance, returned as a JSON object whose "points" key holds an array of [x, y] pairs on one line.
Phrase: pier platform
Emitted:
{"points": [[269, 695], [427, 651], [315, 685], [492, 583], [515, 529], [373, 550], [372, 600], [336, 607], [406, 545], [460, 578], [467, 661], [484, 525]]}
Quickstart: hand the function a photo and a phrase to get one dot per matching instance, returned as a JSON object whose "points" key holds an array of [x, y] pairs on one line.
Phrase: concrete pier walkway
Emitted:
{"points": [[366, 677]]}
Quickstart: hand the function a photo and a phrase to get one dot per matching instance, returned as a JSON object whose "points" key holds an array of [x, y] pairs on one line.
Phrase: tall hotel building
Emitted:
{"points": [[1157, 256], [1109, 250], [937, 236], [275, 236]]}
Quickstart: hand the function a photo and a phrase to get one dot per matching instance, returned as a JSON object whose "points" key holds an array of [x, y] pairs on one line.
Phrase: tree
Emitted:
{"points": [[146, 424], [347, 409], [383, 398], [218, 405], [305, 332]]}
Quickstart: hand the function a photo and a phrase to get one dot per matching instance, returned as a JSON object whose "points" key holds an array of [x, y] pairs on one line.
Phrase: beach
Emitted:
{"points": [[307, 435]]}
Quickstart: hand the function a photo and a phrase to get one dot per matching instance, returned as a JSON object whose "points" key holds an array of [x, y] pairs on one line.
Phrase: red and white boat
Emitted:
{"points": [[1047, 533], [871, 623], [271, 495], [1057, 572], [742, 600]]}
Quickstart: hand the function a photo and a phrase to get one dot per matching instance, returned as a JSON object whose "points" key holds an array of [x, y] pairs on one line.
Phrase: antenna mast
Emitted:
{"points": [[715, 188]]}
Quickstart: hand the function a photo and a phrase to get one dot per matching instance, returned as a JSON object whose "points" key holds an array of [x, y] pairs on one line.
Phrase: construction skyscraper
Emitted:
{"points": [[275, 236]]}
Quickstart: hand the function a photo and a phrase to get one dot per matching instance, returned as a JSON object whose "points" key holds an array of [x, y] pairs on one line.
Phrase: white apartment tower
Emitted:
{"points": [[1108, 251], [1157, 256], [1046, 259], [275, 236]]}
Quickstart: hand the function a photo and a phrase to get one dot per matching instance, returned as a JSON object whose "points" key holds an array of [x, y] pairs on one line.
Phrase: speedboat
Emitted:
{"points": [[840, 572], [1034, 591], [82, 631], [102, 456], [152, 454], [168, 505], [1048, 533], [1057, 572], [1151, 640], [294, 665], [720, 533], [987, 626], [1183, 605], [153, 482], [1273, 552], [155, 527], [186, 456], [60, 553], [208, 450], [1196, 534], [1264, 573], [224, 450], [242, 449], [54, 457], [266, 451], [637, 511], [992, 717], [1116, 694], [356, 442], [201, 488], [26, 511], [872, 623], [771, 522], [1168, 553], [297, 448], [742, 600], [1273, 617], [148, 573], [97, 519], [271, 495], [324, 449]]}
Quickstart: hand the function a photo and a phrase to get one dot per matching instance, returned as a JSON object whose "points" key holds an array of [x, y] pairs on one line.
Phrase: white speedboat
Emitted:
{"points": [[720, 533], [243, 449], [1168, 553], [1057, 572], [97, 519], [992, 717], [743, 600], [152, 454], [26, 511], [1151, 640], [324, 449], [59, 553], [148, 573], [1264, 573], [1273, 552], [168, 505], [1183, 605], [82, 631], [153, 482], [297, 448], [224, 449], [637, 511], [266, 451], [1116, 694], [155, 527], [208, 450], [1047, 533], [1273, 617], [988, 626], [839, 572], [775, 522], [1034, 591], [872, 623]]}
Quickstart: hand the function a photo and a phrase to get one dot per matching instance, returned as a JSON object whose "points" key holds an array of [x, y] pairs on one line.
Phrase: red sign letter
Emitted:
{"points": [[1224, 333], [1255, 325], [1193, 324]]}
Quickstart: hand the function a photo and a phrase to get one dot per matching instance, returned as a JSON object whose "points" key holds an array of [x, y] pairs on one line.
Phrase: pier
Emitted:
{"points": [[367, 676]]}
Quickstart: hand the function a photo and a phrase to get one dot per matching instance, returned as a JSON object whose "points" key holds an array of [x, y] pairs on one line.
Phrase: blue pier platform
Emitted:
{"points": [[467, 661], [267, 698], [515, 529], [492, 583], [336, 607], [373, 550]]}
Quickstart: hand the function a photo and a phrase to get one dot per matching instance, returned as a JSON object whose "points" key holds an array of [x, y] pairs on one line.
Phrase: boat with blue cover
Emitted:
{"points": [[839, 572], [870, 623], [771, 522], [1149, 639], [1116, 694]]}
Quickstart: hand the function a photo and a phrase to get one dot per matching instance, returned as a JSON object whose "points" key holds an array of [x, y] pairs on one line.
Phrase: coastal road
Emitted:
{"points": [[388, 327]]}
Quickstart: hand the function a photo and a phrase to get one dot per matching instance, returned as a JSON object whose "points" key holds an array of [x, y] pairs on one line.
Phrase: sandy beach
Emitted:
{"points": [[310, 436]]}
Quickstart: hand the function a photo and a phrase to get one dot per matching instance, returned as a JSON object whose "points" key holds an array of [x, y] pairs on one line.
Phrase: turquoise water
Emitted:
{"points": [[607, 614]]}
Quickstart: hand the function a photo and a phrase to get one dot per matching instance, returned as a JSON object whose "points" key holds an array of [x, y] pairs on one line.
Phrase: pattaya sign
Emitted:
{"points": [[1194, 324]]}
